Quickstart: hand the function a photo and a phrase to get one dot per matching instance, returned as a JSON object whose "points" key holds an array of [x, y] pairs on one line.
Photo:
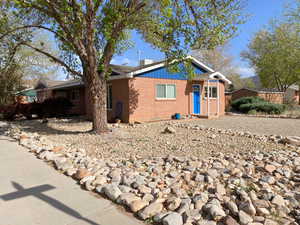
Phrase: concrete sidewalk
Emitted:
{"points": [[33, 193]]}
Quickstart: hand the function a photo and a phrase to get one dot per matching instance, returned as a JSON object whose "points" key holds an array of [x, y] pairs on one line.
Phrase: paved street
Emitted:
{"points": [[33, 193]]}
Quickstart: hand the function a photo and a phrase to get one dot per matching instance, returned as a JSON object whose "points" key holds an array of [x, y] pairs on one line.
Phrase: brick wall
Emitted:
{"points": [[120, 100], [272, 97], [148, 108], [243, 93], [228, 100]]}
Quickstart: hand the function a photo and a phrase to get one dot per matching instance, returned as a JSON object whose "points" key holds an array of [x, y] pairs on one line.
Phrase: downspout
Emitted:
{"points": [[207, 98], [218, 102]]}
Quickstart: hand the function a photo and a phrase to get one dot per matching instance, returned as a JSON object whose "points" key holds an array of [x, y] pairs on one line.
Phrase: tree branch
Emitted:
{"points": [[55, 59], [32, 26]]}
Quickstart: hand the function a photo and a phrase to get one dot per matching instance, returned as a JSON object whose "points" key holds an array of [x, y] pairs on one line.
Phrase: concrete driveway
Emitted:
{"points": [[31, 192]]}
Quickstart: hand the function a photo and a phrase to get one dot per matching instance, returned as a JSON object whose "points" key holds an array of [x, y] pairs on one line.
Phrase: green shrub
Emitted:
{"points": [[245, 100], [265, 107], [252, 112]]}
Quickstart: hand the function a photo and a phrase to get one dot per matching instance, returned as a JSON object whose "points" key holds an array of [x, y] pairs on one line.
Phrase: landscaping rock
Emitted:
{"points": [[112, 191], [172, 219], [244, 218], [81, 173], [151, 210], [137, 205], [169, 130]]}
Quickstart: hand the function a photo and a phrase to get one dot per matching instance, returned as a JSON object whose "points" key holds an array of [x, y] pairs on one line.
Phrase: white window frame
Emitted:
{"points": [[159, 98], [109, 103], [210, 92]]}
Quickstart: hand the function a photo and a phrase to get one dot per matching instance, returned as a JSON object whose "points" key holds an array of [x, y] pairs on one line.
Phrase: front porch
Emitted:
{"points": [[206, 98]]}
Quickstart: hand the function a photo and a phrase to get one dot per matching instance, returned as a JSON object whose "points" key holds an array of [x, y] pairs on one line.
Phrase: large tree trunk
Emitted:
{"points": [[95, 84]]}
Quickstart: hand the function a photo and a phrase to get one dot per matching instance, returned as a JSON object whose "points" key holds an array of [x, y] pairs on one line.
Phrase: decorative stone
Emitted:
{"points": [[278, 200], [173, 203], [112, 191], [244, 218], [172, 219], [232, 208], [137, 205], [57, 149], [248, 207], [100, 180], [214, 209], [169, 130], [270, 168], [228, 220], [81, 173], [151, 210]]}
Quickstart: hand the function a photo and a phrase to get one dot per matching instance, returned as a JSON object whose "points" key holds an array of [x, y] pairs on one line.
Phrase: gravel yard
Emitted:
{"points": [[148, 139], [285, 127], [176, 172]]}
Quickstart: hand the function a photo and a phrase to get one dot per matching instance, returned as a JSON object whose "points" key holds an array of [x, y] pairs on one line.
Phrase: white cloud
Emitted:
{"points": [[246, 71]]}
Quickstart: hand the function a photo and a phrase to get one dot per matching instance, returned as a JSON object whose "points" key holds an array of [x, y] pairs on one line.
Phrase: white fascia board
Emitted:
{"points": [[196, 61], [122, 76], [221, 76]]}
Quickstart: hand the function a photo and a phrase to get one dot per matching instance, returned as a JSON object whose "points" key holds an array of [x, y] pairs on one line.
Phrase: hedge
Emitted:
{"points": [[265, 107], [257, 104], [245, 100]]}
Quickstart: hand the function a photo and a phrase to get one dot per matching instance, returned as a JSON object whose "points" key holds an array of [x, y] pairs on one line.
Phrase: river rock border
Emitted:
{"points": [[253, 188]]}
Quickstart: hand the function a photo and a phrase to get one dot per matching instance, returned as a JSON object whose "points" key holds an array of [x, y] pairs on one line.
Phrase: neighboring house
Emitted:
{"points": [[270, 95], [150, 92], [291, 94]]}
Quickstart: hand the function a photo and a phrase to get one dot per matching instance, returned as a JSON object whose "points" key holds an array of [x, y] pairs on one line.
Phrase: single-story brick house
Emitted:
{"points": [[150, 92]]}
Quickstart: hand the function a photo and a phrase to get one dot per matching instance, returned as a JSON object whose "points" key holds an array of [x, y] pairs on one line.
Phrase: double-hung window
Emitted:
{"points": [[109, 96], [213, 92], [166, 91]]}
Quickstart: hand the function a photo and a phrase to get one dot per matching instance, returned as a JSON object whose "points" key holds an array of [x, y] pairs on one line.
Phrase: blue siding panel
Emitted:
{"points": [[163, 73]]}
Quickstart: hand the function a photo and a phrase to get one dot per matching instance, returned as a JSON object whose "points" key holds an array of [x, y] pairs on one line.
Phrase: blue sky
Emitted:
{"points": [[260, 11]]}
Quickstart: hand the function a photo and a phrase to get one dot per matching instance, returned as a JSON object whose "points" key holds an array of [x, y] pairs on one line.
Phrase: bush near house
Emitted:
{"points": [[257, 104], [245, 100], [51, 107]]}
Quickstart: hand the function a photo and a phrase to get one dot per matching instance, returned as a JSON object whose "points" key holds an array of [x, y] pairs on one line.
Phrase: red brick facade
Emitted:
{"points": [[146, 107], [135, 99]]}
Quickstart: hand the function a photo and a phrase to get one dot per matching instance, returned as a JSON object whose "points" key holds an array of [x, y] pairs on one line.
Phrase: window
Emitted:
{"points": [[109, 96], [75, 95], [166, 91], [213, 92]]}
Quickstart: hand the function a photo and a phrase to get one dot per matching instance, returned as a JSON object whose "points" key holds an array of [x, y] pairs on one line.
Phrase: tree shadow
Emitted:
{"points": [[133, 98], [43, 128], [38, 193]]}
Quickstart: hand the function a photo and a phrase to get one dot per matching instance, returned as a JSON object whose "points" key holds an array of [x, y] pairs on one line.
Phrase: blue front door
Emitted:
{"points": [[196, 94]]}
